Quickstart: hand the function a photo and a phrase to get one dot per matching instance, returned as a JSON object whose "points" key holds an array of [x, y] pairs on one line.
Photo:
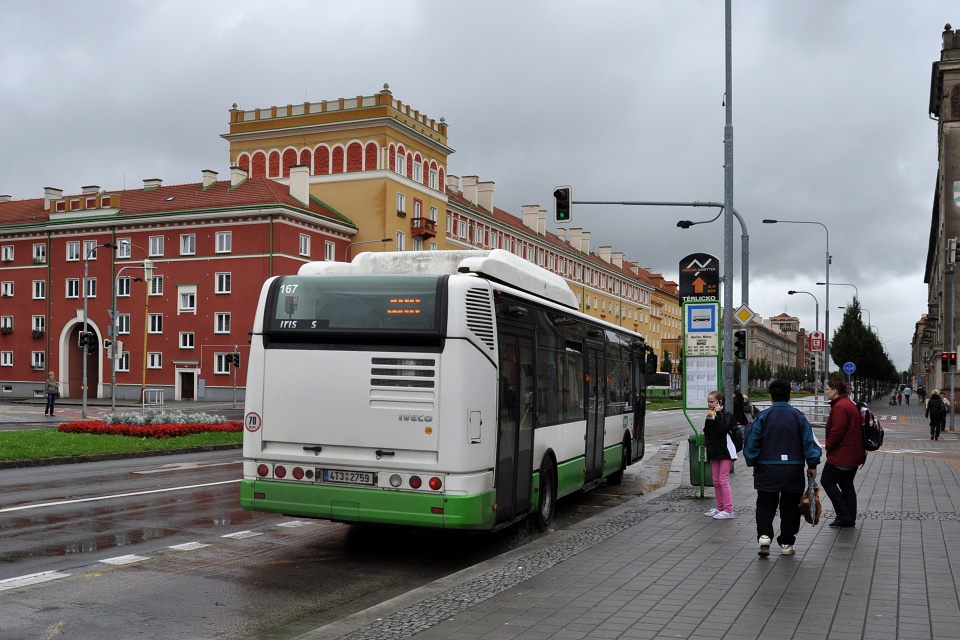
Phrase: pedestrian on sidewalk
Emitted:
{"points": [[52, 389], [721, 454], [906, 395], [780, 443], [899, 398], [845, 452], [937, 412]]}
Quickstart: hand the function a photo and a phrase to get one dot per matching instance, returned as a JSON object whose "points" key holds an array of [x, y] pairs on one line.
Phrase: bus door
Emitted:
{"points": [[596, 394], [515, 426]]}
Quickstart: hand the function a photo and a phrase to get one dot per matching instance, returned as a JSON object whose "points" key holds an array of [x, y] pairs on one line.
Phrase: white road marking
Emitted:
{"points": [[116, 495], [292, 523], [128, 559], [239, 535], [908, 451], [189, 546], [33, 578], [188, 465]]}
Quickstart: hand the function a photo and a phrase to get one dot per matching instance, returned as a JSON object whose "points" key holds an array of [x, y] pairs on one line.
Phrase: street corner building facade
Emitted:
{"points": [[167, 277]]}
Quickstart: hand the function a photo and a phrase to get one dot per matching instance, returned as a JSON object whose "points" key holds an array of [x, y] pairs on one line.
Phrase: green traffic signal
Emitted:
{"points": [[740, 345], [563, 197]]}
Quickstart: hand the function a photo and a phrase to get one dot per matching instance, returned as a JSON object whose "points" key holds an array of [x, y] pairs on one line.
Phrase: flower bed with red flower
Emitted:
{"points": [[168, 430]]}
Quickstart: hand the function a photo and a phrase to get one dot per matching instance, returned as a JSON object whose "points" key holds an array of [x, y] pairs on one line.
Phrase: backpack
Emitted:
{"points": [[736, 436], [872, 430]]}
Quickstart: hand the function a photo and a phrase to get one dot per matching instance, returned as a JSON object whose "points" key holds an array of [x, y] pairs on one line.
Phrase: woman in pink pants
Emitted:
{"points": [[718, 425]]}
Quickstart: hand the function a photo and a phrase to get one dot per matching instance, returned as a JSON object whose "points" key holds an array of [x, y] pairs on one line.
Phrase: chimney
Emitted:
{"points": [[585, 242], [530, 214], [300, 183], [4, 198], [605, 254], [470, 188], [237, 176], [89, 189], [635, 268], [50, 194], [575, 237], [152, 184], [209, 178], [453, 183], [485, 195], [617, 258], [562, 234], [542, 222]]}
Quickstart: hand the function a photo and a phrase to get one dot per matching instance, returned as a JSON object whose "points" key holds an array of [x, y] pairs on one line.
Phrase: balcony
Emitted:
{"points": [[423, 227]]}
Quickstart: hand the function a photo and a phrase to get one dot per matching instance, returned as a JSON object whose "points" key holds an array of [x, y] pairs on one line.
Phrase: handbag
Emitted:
{"points": [[810, 502]]}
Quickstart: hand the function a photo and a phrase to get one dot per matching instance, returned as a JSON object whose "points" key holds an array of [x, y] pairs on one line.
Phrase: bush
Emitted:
{"points": [[160, 430], [162, 417]]}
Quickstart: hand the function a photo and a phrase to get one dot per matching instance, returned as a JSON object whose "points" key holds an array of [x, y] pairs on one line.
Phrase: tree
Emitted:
{"points": [[854, 342]]}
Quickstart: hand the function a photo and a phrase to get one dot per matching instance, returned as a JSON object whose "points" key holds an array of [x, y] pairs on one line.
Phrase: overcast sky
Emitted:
{"points": [[623, 100]]}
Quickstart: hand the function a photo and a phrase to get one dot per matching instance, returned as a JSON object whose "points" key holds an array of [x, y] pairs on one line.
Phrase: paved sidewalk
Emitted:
{"points": [[656, 568]]}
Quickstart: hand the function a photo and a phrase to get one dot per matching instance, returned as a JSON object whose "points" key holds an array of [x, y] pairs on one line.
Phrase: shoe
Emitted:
{"points": [[787, 550], [712, 513], [763, 548], [841, 523], [723, 515]]}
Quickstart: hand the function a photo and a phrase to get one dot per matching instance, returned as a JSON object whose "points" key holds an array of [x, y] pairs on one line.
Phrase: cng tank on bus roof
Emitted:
{"points": [[497, 264]]}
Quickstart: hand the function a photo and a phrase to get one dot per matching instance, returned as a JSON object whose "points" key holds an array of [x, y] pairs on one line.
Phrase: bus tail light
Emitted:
{"points": [[263, 470], [298, 473], [435, 484], [280, 471], [415, 482]]}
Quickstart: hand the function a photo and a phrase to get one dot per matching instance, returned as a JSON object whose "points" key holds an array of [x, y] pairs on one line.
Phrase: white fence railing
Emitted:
{"points": [[814, 408]]}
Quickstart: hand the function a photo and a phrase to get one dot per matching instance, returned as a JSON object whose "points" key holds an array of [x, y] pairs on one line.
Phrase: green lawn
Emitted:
{"points": [[31, 444]]}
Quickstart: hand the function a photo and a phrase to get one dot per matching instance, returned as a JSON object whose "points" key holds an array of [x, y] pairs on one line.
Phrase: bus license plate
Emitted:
{"points": [[347, 477]]}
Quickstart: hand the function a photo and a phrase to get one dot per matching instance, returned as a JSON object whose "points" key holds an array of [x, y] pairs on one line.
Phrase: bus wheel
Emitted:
{"points": [[548, 496], [617, 476]]}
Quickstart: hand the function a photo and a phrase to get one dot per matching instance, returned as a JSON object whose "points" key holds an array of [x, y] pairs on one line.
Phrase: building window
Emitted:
{"points": [[221, 363], [156, 285], [91, 287], [401, 164], [6, 323], [39, 253], [6, 289], [123, 287], [154, 360], [123, 250], [221, 323], [433, 246], [401, 203], [329, 250], [223, 283], [73, 287], [188, 244], [449, 225], [156, 323], [304, 245], [6, 253], [433, 213], [73, 251], [417, 208], [433, 178], [186, 340], [418, 244], [462, 232], [39, 323], [90, 249], [156, 246], [417, 172], [39, 290], [6, 358], [38, 361], [401, 237], [224, 241], [123, 362], [188, 301]]}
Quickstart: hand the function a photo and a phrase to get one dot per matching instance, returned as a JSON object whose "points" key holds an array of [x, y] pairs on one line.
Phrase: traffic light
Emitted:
{"points": [[91, 342], [944, 362], [564, 201], [236, 359], [83, 340], [953, 359], [740, 345]]}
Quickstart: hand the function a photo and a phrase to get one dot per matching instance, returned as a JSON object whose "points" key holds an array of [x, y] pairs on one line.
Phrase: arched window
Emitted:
{"points": [[338, 160], [289, 160], [244, 162], [274, 165], [305, 157], [393, 158], [259, 169], [354, 157], [321, 161], [370, 161]]}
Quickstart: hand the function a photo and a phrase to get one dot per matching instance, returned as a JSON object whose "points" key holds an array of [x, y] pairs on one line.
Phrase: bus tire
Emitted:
{"points": [[617, 476], [548, 496]]}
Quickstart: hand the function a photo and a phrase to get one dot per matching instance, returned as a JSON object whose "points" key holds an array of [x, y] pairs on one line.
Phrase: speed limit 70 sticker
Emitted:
{"points": [[252, 421]]}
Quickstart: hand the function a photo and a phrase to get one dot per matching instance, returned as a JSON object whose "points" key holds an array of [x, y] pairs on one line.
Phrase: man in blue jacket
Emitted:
{"points": [[778, 447]]}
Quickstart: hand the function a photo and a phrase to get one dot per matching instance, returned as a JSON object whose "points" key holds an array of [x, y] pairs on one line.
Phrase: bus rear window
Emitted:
{"points": [[352, 303]]}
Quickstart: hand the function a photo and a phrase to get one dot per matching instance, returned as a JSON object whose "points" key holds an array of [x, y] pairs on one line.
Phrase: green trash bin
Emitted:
{"points": [[694, 457]]}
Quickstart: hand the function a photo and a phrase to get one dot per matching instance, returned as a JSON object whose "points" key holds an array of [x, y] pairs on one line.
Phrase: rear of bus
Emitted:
{"points": [[344, 419]]}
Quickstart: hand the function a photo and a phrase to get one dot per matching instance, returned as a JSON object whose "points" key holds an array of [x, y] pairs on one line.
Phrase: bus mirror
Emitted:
{"points": [[651, 363]]}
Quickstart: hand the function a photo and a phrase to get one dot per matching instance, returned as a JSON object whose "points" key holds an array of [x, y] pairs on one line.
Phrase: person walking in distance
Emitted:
{"points": [[845, 452], [778, 447], [52, 389], [716, 431], [937, 412], [906, 394]]}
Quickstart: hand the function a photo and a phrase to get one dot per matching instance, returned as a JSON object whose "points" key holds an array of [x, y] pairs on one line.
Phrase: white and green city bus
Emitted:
{"points": [[453, 389]]}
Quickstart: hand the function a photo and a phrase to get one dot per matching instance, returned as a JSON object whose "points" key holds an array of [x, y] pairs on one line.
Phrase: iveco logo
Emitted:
{"points": [[416, 417]]}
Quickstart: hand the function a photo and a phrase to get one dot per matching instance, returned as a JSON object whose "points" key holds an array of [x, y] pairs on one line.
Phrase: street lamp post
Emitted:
{"points": [[826, 306], [843, 284], [816, 319], [86, 337], [346, 253], [148, 273]]}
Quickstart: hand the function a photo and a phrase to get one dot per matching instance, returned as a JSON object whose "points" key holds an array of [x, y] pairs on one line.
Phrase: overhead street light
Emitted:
{"points": [[843, 284], [346, 253], [826, 306]]}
